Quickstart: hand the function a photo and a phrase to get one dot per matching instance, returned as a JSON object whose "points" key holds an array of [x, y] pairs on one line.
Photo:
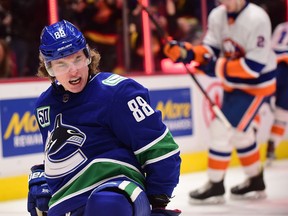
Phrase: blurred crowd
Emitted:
{"points": [[102, 22], [20, 24]]}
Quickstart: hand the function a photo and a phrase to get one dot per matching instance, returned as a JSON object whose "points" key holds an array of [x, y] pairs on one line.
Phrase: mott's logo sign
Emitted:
{"points": [[175, 106], [26, 124], [19, 128], [171, 110]]}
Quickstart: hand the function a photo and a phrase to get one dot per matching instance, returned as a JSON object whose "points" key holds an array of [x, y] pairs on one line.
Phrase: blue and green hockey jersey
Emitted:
{"points": [[106, 132]]}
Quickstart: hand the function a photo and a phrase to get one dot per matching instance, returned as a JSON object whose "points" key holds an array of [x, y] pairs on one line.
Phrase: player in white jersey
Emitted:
{"points": [[238, 41], [280, 110]]}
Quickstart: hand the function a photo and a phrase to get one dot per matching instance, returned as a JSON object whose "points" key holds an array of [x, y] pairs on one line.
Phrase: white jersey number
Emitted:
{"points": [[140, 108], [60, 34]]}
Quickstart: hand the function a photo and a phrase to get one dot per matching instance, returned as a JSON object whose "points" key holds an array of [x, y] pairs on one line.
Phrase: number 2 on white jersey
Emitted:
{"points": [[140, 108]]}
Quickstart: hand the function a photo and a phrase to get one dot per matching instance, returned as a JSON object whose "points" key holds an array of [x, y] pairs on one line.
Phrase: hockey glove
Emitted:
{"points": [[208, 67], [159, 203], [179, 51], [39, 192]]}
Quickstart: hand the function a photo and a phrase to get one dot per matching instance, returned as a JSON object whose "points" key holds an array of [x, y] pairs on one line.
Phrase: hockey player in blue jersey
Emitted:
{"points": [[107, 152]]}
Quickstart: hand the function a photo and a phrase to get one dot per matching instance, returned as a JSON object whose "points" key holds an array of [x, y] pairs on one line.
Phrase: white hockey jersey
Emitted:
{"points": [[280, 42], [246, 59]]}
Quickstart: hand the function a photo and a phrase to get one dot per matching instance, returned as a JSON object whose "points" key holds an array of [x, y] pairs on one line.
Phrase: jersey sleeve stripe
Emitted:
{"points": [[154, 160], [154, 142]]}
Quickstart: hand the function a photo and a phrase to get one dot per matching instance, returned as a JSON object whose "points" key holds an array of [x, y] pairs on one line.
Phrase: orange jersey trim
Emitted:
{"points": [[257, 119], [217, 164], [235, 69], [277, 130], [249, 113], [262, 91], [250, 159], [283, 58]]}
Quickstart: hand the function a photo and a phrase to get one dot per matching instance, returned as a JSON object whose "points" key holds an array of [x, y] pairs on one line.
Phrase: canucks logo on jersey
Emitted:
{"points": [[59, 161], [113, 80]]}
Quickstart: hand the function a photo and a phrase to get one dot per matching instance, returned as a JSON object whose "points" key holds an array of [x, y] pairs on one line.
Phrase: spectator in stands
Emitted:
{"points": [[100, 22], [26, 27], [189, 30], [7, 62], [5, 22], [72, 10], [161, 10]]}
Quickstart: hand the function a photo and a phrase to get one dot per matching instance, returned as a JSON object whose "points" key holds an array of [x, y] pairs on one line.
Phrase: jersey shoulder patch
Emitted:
{"points": [[42, 115], [113, 80]]}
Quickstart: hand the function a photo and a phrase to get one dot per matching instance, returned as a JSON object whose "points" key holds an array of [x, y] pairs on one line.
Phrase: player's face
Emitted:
{"points": [[232, 5], [72, 71]]}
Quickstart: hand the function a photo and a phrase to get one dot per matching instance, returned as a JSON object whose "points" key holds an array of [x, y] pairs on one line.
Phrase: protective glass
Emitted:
{"points": [[63, 66]]}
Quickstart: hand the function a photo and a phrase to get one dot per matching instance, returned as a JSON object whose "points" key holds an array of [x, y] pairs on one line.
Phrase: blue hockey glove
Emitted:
{"points": [[179, 51], [39, 192], [159, 203]]}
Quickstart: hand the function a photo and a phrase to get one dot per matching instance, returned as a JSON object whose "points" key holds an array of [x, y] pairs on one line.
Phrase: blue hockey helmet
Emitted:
{"points": [[60, 40]]}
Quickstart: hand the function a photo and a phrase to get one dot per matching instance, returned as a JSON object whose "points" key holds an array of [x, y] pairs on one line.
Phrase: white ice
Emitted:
{"points": [[276, 203]]}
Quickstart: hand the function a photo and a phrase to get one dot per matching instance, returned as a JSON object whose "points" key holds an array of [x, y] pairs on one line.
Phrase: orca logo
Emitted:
{"points": [[61, 158]]}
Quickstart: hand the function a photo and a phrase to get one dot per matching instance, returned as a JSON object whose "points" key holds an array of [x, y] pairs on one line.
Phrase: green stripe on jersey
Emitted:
{"points": [[131, 189], [97, 172], [158, 149]]}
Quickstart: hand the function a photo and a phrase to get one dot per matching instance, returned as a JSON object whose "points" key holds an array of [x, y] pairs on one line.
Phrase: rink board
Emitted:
{"points": [[17, 188], [21, 145]]}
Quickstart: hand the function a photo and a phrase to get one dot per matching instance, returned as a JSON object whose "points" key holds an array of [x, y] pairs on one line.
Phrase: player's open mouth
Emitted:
{"points": [[75, 81]]}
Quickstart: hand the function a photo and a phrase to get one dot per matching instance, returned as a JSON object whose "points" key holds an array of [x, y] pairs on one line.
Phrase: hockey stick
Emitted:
{"points": [[164, 35]]}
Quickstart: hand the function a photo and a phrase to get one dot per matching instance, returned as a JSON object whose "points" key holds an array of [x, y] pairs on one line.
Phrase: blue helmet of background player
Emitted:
{"points": [[59, 40]]}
